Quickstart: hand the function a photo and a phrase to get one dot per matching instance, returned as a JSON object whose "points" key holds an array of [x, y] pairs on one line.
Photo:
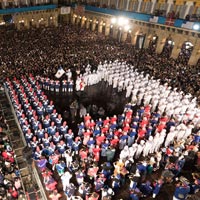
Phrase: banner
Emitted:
{"points": [[188, 25], [65, 10], [170, 22], [79, 10], [60, 72], [154, 19]]}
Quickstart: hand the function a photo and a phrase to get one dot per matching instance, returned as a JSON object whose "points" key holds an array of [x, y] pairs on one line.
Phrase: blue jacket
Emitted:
{"points": [[181, 192]]}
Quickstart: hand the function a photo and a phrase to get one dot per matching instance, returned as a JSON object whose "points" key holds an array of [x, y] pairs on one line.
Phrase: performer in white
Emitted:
{"points": [[65, 178]]}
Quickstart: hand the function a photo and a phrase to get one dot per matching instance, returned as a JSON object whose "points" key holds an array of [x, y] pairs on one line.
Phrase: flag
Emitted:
{"points": [[79, 9], [170, 21], [65, 10], [60, 72]]}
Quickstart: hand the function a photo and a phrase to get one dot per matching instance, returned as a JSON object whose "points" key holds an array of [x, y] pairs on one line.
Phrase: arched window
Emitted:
{"points": [[185, 53], [103, 28], [111, 30], [167, 49], [129, 37], [140, 41], [97, 26], [153, 43]]}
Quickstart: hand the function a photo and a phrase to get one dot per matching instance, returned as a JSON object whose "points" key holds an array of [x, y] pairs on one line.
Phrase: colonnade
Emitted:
{"points": [[103, 24]]}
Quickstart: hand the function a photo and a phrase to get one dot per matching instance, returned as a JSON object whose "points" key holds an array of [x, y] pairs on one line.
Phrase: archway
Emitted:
{"points": [[168, 46], [50, 21], [198, 63], [79, 22], [140, 41], [103, 28], [96, 26], [129, 37], [111, 31], [119, 34], [90, 25], [185, 53], [153, 43]]}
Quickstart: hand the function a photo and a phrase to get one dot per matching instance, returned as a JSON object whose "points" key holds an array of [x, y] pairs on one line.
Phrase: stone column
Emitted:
{"points": [[107, 29], [17, 25], [146, 41], [170, 3], [135, 31], [178, 42], [100, 26], [108, 4], [153, 5], [127, 4], [133, 39], [27, 23], [82, 22], [101, 3], [73, 19], [115, 31], [124, 36], [94, 24], [37, 23], [117, 4], [78, 20], [55, 20], [146, 31], [188, 4], [139, 5], [195, 56], [162, 36], [87, 24]]}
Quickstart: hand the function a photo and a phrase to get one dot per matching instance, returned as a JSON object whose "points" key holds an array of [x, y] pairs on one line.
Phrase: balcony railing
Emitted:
{"points": [[179, 23]]}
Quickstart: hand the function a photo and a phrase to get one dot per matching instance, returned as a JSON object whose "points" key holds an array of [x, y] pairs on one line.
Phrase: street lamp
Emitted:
{"points": [[127, 28], [113, 20], [121, 22], [196, 27]]}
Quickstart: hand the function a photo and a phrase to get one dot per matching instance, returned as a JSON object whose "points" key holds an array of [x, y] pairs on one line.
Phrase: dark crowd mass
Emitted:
{"points": [[41, 51], [134, 155]]}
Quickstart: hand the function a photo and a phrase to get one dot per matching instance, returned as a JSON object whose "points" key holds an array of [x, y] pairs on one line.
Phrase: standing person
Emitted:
{"points": [[110, 154], [73, 109], [55, 195], [83, 111], [65, 178], [64, 86], [157, 185], [139, 149], [57, 85], [68, 158], [70, 85]]}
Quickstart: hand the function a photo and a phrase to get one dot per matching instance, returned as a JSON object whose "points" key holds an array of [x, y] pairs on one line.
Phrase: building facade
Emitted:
{"points": [[144, 23]]}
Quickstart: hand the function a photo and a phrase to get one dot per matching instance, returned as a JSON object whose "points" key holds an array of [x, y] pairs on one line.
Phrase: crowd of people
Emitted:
{"points": [[159, 129], [10, 180], [63, 46], [102, 155]]}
